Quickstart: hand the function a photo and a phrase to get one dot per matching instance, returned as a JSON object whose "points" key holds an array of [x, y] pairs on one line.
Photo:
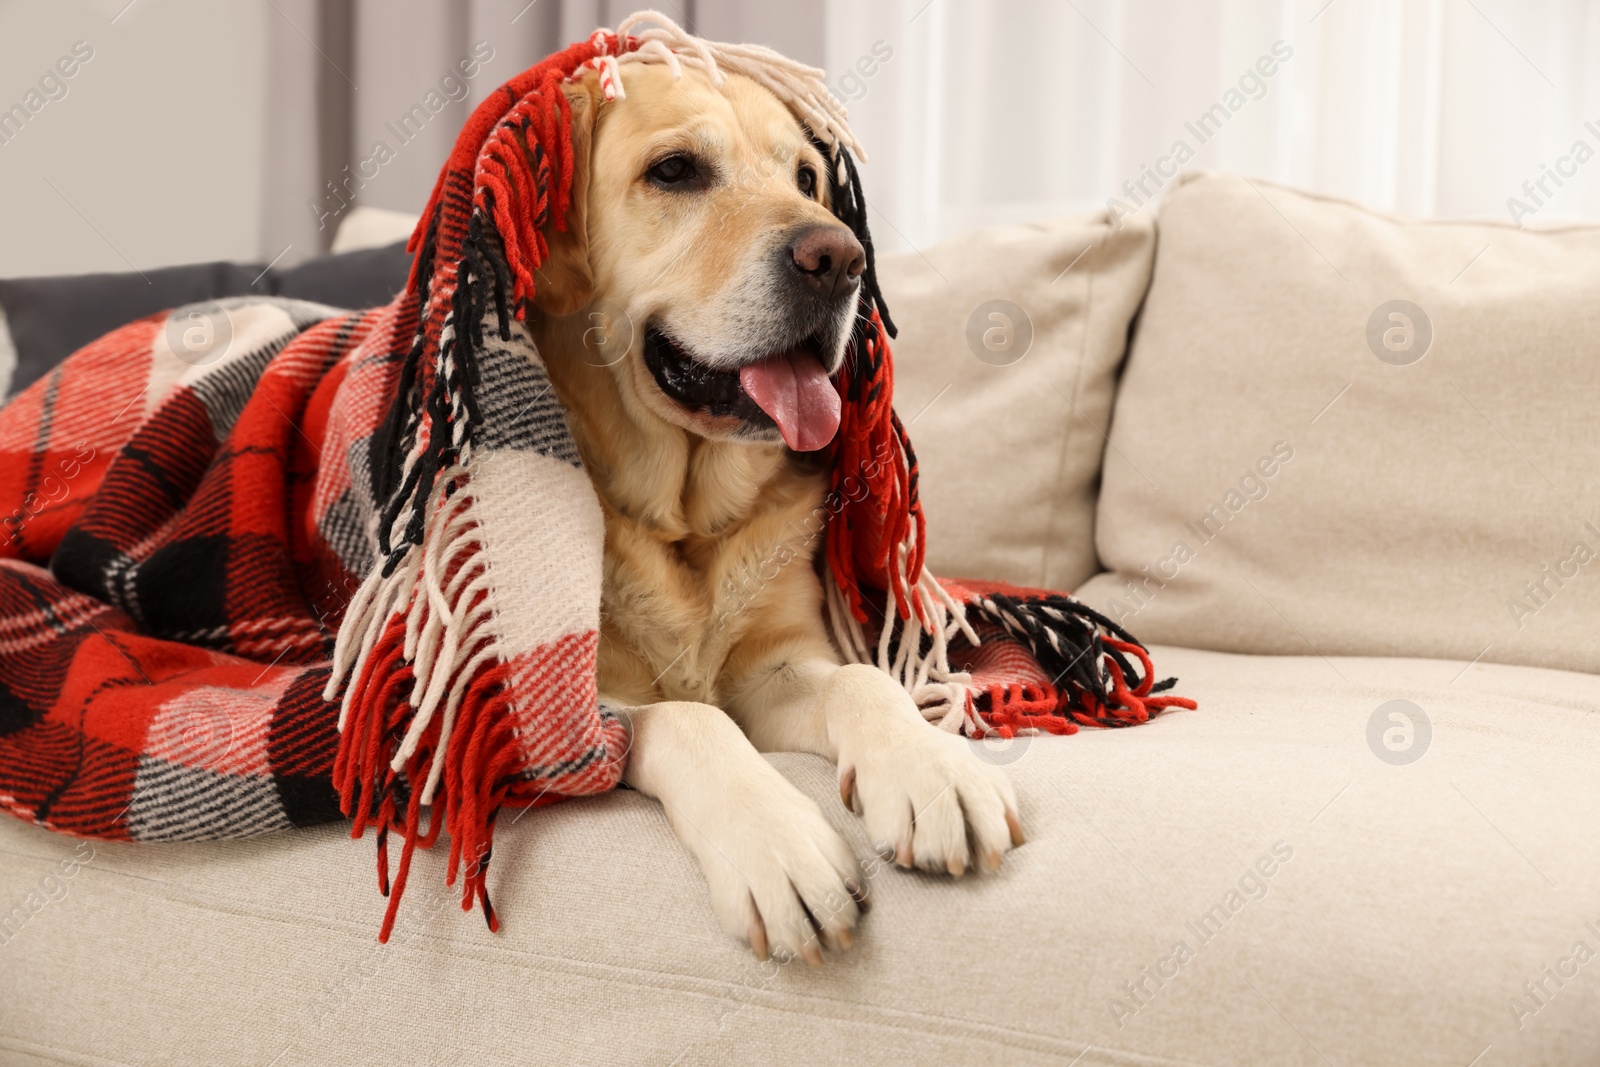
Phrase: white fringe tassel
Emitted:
{"points": [[943, 695], [447, 639]]}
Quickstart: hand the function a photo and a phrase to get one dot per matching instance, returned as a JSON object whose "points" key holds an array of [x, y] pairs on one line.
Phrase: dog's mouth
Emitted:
{"points": [[788, 390]]}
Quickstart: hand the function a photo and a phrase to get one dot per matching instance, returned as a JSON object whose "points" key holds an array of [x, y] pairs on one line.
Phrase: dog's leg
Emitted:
{"points": [[780, 876], [924, 794]]}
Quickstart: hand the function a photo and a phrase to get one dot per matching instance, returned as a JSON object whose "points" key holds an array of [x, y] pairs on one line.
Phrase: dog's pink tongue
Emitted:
{"points": [[794, 389]]}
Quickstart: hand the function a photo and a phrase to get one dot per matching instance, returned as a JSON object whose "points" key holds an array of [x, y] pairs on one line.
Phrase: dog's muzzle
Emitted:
{"points": [[787, 388]]}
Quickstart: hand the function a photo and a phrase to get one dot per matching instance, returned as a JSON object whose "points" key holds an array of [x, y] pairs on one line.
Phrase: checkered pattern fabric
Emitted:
{"points": [[161, 671], [191, 513]]}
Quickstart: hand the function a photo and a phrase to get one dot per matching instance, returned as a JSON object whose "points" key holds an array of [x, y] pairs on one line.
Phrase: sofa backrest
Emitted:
{"points": [[1341, 433], [1009, 344]]}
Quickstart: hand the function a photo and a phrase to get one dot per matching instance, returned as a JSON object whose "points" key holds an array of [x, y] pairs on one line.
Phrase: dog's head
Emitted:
{"points": [[702, 259]]}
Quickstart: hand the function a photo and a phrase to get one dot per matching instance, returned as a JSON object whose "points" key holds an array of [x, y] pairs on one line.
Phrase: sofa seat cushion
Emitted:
{"points": [[1334, 903]]}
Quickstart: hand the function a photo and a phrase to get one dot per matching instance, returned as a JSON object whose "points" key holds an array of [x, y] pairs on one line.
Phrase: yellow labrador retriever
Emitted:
{"points": [[690, 319]]}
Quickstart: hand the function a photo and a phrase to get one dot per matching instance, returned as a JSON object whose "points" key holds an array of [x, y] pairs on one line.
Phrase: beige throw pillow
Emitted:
{"points": [[1347, 434], [1010, 340]]}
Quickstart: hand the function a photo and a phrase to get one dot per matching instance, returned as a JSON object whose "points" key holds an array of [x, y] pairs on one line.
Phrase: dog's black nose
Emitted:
{"points": [[829, 258]]}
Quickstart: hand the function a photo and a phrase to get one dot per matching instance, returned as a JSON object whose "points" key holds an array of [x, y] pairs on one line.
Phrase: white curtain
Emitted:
{"points": [[983, 111]]}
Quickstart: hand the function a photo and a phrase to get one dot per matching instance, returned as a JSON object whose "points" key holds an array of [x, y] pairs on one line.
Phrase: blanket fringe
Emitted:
{"points": [[1100, 674], [425, 702]]}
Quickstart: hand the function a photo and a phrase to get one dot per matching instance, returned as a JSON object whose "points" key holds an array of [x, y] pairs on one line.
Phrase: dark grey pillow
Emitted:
{"points": [[50, 318], [365, 279]]}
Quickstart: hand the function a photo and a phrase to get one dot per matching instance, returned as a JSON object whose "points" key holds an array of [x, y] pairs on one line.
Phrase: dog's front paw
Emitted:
{"points": [[780, 876], [925, 796], [934, 804]]}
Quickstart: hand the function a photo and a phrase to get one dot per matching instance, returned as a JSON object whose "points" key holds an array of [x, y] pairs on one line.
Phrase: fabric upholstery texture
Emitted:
{"points": [[1414, 903], [1017, 431], [1330, 478], [1301, 872]]}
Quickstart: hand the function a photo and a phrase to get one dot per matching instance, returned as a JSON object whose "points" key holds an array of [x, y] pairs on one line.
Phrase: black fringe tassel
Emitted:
{"points": [[1064, 635]]}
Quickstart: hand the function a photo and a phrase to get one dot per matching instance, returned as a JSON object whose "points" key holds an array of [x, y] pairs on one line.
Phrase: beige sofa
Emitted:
{"points": [[1374, 842]]}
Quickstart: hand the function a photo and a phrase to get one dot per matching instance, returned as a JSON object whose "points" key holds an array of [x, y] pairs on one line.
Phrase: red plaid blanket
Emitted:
{"points": [[268, 564], [162, 663]]}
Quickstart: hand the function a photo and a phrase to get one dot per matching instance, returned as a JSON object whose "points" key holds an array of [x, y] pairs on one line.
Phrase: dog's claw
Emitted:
{"points": [[847, 785], [902, 854], [858, 893], [957, 866], [990, 860], [758, 941], [1014, 824], [844, 939], [811, 954]]}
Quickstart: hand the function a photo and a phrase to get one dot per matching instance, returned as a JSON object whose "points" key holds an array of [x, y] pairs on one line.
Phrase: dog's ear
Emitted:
{"points": [[564, 282]]}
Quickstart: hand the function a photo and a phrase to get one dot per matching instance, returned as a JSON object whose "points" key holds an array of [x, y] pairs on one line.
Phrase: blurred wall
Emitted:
{"points": [[248, 129], [150, 153]]}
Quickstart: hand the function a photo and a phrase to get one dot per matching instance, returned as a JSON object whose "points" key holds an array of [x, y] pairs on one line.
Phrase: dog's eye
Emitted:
{"points": [[808, 182], [674, 171]]}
